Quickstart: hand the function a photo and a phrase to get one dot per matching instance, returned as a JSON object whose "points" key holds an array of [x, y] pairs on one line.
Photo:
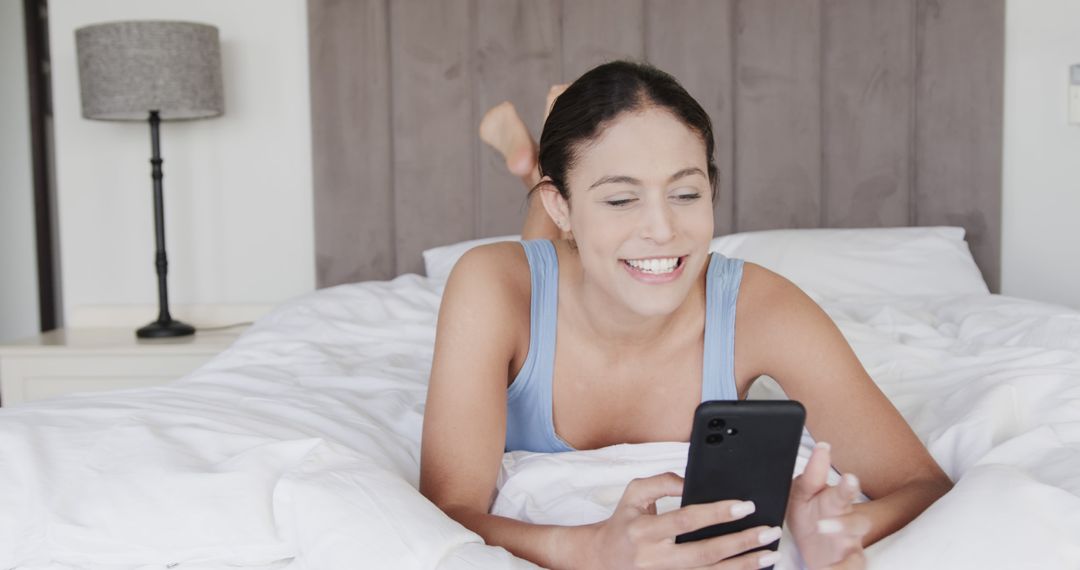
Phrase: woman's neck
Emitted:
{"points": [[614, 325]]}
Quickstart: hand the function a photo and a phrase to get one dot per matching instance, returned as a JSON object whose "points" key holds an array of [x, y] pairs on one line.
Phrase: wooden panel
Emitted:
{"points": [[434, 127], [777, 121], [518, 57], [598, 31], [826, 112], [693, 40], [867, 102], [350, 110], [959, 122]]}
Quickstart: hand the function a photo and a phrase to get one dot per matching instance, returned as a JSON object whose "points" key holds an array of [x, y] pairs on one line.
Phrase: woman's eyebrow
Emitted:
{"points": [[616, 180], [686, 172], [631, 180]]}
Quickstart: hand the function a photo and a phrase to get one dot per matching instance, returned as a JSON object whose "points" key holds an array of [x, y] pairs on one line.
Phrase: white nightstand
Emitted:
{"points": [[91, 360]]}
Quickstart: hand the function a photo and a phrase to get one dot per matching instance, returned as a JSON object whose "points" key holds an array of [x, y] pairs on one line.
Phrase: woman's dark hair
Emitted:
{"points": [[604, 93]]}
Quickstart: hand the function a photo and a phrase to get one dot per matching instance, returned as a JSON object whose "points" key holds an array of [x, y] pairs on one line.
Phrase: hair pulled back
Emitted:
{"points": [[602, 94]]}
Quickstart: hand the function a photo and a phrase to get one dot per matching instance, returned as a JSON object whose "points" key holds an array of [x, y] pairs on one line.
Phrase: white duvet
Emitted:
{"points": [[298, 447]]}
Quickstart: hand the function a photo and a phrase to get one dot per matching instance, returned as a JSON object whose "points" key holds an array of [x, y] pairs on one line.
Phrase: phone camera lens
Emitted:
{"points": [[731, 431], [716, 423], [714, 439]]}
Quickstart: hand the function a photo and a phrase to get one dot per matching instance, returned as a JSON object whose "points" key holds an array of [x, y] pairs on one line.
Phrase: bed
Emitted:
{"points": [[298, 447]]}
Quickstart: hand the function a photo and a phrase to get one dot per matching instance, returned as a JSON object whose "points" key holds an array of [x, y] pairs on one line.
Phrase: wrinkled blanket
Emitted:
{"points": [[299, 446]]}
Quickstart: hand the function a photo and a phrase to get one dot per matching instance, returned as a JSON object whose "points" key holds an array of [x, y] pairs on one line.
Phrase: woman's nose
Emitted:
{"points": [[659, 224]]}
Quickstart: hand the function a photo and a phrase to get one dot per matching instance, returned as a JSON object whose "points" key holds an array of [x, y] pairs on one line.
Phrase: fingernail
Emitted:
{"points": [[829, 526], [769, 535], [742, 509], [851, 480], [824, 446], [768, 559]]}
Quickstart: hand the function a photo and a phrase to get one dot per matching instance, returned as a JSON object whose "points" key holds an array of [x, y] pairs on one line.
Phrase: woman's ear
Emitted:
{"points": [[558, 209]]}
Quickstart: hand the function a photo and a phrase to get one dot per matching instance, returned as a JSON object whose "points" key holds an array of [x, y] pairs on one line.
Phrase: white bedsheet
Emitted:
{"points": [[298, 448]]}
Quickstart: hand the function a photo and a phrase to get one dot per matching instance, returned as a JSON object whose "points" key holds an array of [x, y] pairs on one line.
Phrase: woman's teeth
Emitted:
{"points": [[655, 266]]}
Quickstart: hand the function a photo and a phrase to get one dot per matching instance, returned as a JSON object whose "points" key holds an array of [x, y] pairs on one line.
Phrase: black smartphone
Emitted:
{"points": [[743, 450]]}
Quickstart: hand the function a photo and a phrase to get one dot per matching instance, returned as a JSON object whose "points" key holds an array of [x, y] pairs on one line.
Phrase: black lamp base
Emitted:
{"points": [[165, 329]]}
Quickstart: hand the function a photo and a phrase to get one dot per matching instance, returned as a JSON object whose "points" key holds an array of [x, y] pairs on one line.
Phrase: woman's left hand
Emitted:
{"points": [[822, 518]]}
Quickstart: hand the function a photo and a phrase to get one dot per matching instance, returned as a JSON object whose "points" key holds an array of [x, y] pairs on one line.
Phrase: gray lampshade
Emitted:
{"points": [[127, 69]]}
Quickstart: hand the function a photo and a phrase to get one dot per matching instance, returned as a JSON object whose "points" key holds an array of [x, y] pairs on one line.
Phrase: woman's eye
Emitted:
{"points": [[619, 203], [688, 197]]}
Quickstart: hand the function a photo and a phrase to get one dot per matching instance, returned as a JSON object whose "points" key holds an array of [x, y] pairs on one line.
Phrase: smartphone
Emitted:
{"points": [[743, 450]]}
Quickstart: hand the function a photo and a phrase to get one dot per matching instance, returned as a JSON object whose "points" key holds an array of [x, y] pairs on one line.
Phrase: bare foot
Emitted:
{"points": [[553, 94], [504, 130]]}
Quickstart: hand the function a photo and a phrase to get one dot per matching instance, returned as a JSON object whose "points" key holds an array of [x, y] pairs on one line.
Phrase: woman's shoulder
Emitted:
{"points": [[492, 272], [762, 289], [769, 310], [495, 260], [770, 305], [758, 280]]}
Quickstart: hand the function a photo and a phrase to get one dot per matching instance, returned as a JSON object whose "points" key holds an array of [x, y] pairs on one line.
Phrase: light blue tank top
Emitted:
{"points": [[529, 423]]}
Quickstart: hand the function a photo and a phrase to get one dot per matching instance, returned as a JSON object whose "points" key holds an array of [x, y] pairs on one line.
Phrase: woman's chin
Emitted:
{"points": [[654, 304]]}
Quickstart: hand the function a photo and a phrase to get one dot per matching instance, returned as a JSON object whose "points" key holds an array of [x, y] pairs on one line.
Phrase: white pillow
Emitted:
{"points": [[438, 261], [829, 263], [838, 263]]}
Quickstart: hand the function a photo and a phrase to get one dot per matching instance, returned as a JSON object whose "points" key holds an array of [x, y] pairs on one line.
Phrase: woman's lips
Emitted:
{"points": [[655, 278]]}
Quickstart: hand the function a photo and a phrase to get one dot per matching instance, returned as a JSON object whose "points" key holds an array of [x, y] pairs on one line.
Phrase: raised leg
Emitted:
{"points": [[503, 129]]}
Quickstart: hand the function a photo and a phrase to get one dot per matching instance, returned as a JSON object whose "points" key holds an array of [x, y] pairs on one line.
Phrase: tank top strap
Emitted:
{"points": [[721, 293], [544, 305], [529, 403]]}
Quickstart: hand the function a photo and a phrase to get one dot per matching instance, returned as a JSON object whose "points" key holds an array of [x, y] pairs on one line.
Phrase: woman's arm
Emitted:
{"points": [[554, 547], [465, 415], [892, 512], [796, 343]]}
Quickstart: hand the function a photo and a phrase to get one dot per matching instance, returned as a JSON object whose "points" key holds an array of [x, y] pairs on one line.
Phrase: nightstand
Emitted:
{"points": [[91, 360]]}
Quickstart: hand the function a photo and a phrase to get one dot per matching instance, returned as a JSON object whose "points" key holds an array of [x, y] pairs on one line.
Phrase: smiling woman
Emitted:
{"points": [[635, 204], [612, 321]]}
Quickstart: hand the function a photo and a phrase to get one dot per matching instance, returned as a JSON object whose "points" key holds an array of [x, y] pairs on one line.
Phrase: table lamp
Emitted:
{"points": [[155, 71]]}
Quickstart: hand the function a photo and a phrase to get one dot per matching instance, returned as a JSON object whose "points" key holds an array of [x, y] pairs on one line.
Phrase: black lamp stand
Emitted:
{"points": [[165, 326]]}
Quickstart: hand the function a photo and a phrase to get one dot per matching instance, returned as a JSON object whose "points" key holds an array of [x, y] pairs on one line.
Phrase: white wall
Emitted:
{"points": [[1041, 202], [238, 190], [18, 254]]}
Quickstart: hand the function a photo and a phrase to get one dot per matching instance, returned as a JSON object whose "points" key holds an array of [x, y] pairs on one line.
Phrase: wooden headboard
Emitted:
{"points": [[827, 113]]}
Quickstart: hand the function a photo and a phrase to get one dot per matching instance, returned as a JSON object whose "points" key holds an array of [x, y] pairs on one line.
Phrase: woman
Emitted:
{"points": [[648, 324]]}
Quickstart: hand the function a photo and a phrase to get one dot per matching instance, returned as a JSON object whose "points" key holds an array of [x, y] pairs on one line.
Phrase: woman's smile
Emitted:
{"points": [[655, 270]]}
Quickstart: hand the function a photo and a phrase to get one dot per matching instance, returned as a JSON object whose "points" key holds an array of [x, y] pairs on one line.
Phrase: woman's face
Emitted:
{"points": [[641, 210]]}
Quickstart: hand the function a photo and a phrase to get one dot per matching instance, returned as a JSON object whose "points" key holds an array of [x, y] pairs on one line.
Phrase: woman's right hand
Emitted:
{"points": [[636, 537]]}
